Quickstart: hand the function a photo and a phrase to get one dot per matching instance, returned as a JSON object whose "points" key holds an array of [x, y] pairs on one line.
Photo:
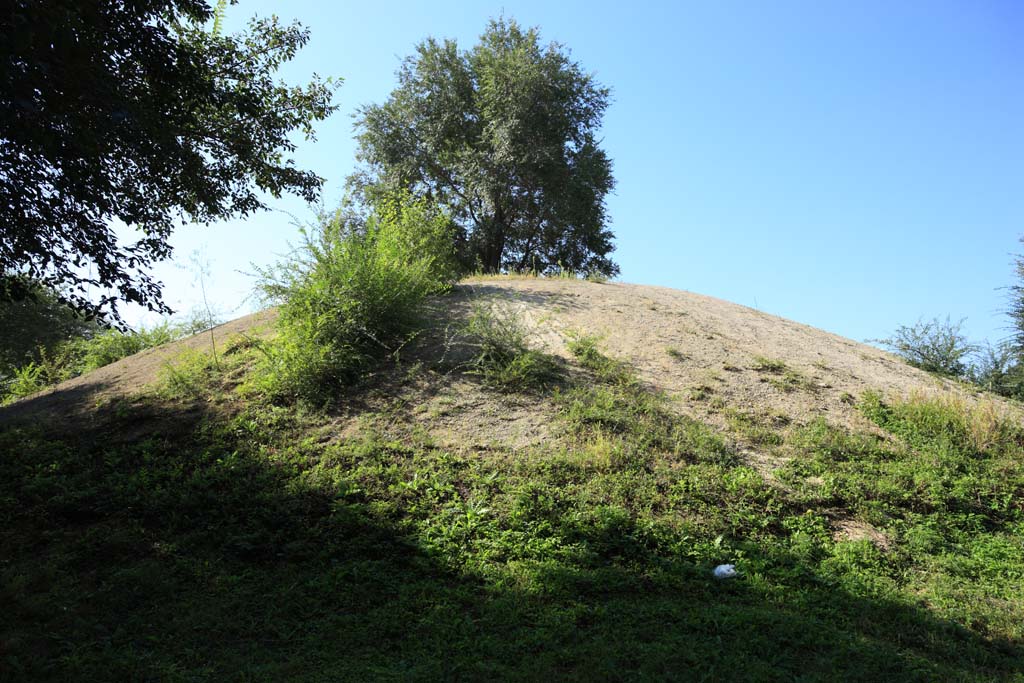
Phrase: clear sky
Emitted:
{"points": [[850, 165]]}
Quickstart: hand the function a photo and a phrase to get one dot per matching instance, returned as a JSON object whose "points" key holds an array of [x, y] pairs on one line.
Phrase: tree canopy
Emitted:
{"points": [[134, 113], [504, 137]]}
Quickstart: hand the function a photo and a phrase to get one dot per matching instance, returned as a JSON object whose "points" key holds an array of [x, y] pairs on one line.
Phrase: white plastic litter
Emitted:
{"points": [[725, 571]]}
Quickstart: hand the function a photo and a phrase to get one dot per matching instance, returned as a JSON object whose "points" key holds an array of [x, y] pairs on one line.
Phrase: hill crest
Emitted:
{"points": [[718, 361]]}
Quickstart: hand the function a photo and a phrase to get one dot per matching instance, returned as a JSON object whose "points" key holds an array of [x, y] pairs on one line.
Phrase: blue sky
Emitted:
{"points": [[850, 165]]}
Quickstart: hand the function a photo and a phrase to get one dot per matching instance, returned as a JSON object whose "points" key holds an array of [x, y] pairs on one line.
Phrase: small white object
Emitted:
{"points": [[725, 571]]}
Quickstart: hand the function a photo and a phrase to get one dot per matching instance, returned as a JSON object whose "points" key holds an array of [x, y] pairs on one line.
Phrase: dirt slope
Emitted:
{"points": [[680, 341], [128, 375], [708, 354]]}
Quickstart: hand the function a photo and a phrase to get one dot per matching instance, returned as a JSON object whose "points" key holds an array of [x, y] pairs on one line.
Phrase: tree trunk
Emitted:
{"points": [[495, 242]]}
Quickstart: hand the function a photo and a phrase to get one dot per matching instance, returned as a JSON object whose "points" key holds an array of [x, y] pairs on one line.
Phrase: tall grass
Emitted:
{"points": [[351, 294], [979, 426]]}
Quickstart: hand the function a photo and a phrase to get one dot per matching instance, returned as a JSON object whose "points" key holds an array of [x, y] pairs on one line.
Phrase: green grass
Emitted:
{"points": [[200, 535], [615, 414], [756, 429], [948, 493]]}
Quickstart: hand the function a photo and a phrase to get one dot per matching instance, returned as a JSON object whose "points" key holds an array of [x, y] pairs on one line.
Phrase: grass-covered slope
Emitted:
{"points": [[199, 531]]}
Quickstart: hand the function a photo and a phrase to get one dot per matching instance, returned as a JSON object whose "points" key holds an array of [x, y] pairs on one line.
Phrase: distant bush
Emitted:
{"points": [[936, 346], [38, 319], [998, 369], [113, 345], [351, 294], [939, 346], [81, 354]]}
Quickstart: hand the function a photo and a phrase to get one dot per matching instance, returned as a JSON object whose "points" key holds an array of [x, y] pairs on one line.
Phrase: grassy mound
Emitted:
{"points": [[206, 533]]}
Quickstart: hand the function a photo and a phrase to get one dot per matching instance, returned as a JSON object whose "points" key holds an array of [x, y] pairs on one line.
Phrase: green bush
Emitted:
{"points": [[352, 294], [936, 346], [113, 345], [27, 380]]}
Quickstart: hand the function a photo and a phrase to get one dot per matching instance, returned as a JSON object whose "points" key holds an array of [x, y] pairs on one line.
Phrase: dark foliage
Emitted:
{"points": [[38, 320], [114, 112]]}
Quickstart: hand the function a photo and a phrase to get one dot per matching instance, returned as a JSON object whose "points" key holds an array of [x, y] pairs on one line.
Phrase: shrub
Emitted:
{"points": [[351, 294], [998, 369], [27, 380], [936, 346]]}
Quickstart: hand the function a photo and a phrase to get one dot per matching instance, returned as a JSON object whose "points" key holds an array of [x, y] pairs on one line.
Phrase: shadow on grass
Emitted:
{"points": [[468, 292], [53, 404], [208, 551]]}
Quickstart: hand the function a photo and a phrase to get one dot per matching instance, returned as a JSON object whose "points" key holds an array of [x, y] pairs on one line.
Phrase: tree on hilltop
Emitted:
{"points": [[504, 137]]}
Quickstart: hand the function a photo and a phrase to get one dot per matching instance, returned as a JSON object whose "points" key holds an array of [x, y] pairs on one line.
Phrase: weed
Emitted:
{"points": [[242, 342], [586, 350], [762, 364], [791, 380], [502, 354], [701, 392], [676, 353], [189, 376], [618, 409], [717, 404], [786, 378]]}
